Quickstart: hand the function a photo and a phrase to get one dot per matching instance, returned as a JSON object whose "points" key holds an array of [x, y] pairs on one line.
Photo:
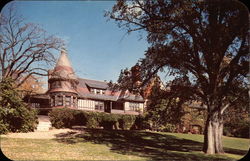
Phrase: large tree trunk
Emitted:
{"points": [[213, 134]]}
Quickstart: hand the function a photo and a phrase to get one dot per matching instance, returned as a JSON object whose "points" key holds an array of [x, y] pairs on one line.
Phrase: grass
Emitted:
{"points": [[119, 145]]}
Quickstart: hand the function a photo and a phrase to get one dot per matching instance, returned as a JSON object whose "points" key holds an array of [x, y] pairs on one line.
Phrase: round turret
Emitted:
{"points": [[63, 83]]}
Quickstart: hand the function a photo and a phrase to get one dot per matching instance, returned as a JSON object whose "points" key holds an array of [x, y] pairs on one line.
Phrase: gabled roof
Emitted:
{"points": [[95, 84], [126, 95], [83, 91]]}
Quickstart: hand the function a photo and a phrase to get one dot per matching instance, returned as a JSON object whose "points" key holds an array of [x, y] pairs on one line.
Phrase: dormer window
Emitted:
{"points": [[92, 90], [97, 91]]}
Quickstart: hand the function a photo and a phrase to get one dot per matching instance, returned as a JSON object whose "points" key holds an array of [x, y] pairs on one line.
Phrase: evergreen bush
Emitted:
{"points": [[237, 128], [168, 128], [109, 121], [15, 115], [62, 117], [127, 121], [80, 118], [92, 119]]}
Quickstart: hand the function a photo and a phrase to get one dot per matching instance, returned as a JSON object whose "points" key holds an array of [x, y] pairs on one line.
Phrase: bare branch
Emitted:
{"points": [[23, 46]]}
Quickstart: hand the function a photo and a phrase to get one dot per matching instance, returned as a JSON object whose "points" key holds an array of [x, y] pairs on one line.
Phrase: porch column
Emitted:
{"points": [[52, 101], [64, 103], [76, 103], [124, 107], [56, 100], [71, 101], [110, 106]]}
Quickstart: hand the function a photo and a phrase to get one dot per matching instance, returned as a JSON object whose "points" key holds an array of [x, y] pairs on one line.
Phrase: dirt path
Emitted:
{"points": [[51, 134], [54, 133]]}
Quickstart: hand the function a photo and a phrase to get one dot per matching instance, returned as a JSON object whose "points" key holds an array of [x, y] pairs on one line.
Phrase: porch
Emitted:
{"points": [[109, 107]]}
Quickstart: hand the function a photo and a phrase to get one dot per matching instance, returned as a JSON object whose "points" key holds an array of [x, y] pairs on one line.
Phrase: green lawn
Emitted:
{"points": [[120, 145]]}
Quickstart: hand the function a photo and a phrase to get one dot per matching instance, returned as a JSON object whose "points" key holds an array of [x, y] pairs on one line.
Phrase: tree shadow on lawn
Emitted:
{"points": [[154, 146]]}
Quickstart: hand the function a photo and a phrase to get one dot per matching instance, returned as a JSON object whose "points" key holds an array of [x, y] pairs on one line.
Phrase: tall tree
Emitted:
{"points": [[204, 41], [25, 48], [32, 85]]}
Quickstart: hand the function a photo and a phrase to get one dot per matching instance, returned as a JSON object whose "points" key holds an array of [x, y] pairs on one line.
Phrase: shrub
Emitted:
{"points": [[226, 131], [167, 128], [65, 118], [15, 115], [29, 119], [141, 123], [61, 118], [127, 121], [3, 127], [92, 119], [237, 128], [109, 121], [80, 118], [243, 131]]}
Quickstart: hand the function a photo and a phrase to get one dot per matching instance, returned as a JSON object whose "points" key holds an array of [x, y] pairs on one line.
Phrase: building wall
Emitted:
{"points": [[90, 104], [141, 107], [86, 104], [126, 106]]}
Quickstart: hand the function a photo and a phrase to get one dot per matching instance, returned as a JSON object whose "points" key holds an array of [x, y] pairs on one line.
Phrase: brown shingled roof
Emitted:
{"points": [[85, 84]]}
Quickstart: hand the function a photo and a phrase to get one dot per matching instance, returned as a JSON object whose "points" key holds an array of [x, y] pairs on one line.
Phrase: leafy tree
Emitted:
{"points": [[32, 85], [237, 119], [15, 115], [203, 43], [165, 105], [25, 48]]}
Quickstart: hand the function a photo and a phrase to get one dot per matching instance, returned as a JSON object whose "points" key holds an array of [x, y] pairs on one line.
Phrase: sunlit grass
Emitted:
{"points": [[228, 142], [120, 145], [45, 149]]}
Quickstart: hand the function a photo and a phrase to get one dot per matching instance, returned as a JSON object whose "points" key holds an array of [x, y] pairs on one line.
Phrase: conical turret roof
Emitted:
{"points": [[63, 68]]}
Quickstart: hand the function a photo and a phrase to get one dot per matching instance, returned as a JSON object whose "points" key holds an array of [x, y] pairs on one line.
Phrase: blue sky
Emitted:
{"points": [[97, 48]]}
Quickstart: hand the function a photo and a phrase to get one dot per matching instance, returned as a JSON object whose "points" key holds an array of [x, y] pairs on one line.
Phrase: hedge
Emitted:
{"points": [[61, 118], [66, 118]]}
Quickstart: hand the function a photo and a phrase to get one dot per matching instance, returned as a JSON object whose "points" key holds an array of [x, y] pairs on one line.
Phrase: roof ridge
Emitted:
{"points": [[93, 80]]}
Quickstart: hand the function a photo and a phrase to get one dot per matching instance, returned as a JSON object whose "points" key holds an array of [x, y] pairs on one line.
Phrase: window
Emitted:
{"points": [[67, 100], [59, 100], [52, 101], [134, 106], [92, 90], [35, 105], [98, 91], [56, 84], [99, 105]]}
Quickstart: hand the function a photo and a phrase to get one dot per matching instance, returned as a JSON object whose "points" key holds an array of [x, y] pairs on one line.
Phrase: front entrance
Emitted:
{"points": [[110, 105]]}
